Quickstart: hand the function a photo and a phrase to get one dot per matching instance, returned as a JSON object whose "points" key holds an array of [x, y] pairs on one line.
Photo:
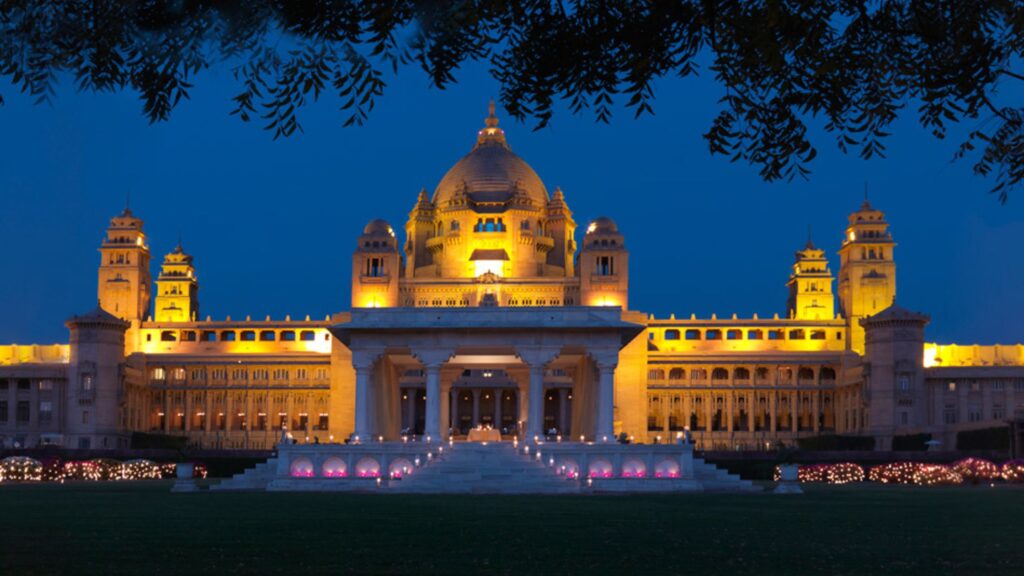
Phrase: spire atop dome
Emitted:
{"points": [[491, 134]]}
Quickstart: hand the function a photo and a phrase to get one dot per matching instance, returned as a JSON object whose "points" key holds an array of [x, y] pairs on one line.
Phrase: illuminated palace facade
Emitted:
{"points": [[491, 310]]}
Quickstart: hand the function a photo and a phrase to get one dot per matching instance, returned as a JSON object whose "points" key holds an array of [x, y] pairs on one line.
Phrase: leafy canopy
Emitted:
{"points": [[856, 65]]}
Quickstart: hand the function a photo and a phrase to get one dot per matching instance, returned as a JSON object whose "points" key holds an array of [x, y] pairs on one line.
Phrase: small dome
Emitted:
{"points": [[378, 227], [602, 225]]}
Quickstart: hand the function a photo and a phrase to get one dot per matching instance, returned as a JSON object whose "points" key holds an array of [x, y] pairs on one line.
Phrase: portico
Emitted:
{"points": [[520, 370]]}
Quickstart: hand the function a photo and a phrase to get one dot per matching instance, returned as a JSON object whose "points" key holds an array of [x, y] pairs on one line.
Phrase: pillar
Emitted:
{"points": [[794, 409], [605, 402], [563, 411], [476, 407], [535, 402], [499, 393], [433, 419], [362, 424]]}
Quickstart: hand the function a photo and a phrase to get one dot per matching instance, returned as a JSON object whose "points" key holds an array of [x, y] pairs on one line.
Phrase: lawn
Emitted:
{"points": [[134, 528]]}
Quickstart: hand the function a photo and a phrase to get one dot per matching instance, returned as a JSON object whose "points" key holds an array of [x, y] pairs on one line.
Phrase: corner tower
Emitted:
{"points": [[376, 267], [604, 266], [867, 271], [124, 279], [810, 286], [177, 290]]}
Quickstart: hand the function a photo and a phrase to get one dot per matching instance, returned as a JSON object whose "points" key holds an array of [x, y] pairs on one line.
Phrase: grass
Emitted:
{"points": [[134, 528]]}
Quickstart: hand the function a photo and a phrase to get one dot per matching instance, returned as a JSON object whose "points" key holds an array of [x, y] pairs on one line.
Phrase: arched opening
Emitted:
{"points": [[399, 468], [672, 334], [302, 468], [713, 334], [600, 468], [676, 374], [719, 374], [693, 334], [634, 468], [742, 374], [734, 334], [334, 467], [667, 468], [367, 468], [569, 468]]}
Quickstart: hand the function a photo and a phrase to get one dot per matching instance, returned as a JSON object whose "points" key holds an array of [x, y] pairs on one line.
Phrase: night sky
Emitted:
{"points": [[272, 224]]}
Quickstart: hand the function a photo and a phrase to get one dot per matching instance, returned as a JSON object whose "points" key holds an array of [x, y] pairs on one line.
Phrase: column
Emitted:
{"points": [[730, 407], [207, 424], [606, 402], [455, 393], [168, 418], [522, 402], [563, 411], [476, 407], [794, 408], [362, 424], [773, 424], [709, 411], [433, 420], [410, 408], [498, 394], [666, 411], [535, 402], [752, 405]]}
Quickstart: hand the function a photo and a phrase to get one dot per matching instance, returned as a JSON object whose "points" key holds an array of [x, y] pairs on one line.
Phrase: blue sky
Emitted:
{"points": [[272, 224]]}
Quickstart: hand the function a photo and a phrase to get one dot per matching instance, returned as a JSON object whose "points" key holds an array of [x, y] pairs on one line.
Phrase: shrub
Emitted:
{"points": [[976, 470], [21, 469], [894, 473], [140, 470], [81, 470], [936, 475], [108, 469], [844, 473], [1013, 471]]}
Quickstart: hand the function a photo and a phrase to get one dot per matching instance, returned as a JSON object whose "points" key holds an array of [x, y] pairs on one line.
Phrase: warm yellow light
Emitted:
{"points": [[930, 353], [482, 267], [852, 237], [592, 227]]}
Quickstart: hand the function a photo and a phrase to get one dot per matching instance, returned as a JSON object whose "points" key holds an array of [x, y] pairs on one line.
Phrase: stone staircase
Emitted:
{"points": [[485, 469], [255, 478], [715, 479]]}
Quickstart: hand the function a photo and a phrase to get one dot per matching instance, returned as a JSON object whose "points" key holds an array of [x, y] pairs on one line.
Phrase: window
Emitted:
{"points": [[248, 335], [775, 334], [168, 336], [797, 334], [817, 335], [157, 374], [973, 413], [754, 335], [178, 374], [307, 336], [671, 334], [998, 413], [209, 336], [375, 267], [904, 418], [951, 386], [998, 385], [45, 385], [267, 336], [713, 334], [903, 382], [45, 412], [24, 384], [1018, 386], [693, 334], [21, 414], [734, 335], [228, 336], [288, 336], [605, 266], [188, 336], [87, 382], [975, 386]]}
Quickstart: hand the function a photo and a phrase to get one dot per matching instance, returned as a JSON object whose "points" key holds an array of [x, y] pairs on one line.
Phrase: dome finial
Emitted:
{"points": [[491, 133], [491, 120]]}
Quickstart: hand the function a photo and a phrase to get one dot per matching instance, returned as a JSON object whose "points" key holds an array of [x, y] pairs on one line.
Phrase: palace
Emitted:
{"points": [[490, 310]]}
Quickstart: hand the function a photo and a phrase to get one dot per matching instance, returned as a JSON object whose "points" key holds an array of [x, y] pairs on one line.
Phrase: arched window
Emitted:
{"points": [[755, 335], [267, 336], [742, 374], [655, 374], [828, 373], [817, 334], [805, 376], [693, 334], [734, 335], [676, 374], [288, 336], [228, 336], [672, 334], [776, 334], [168, 336], [248, 335], [454, 226], [307, 336], [209, 336], [713, 334], [719, 374], [796, 334], [698, 374]]}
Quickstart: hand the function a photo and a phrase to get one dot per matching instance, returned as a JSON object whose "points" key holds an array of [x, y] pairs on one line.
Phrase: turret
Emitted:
{"points": [[376, 267], [894, 386], [420, 228], [810, 286], [177, 290], [95, 391], [604, 266], [867, 270], [561, 228]]}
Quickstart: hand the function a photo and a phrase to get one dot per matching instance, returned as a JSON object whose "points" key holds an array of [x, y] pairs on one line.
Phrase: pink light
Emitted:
{"points": [[335, 473]]}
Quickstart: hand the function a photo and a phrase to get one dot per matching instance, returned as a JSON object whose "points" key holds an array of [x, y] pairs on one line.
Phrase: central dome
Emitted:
{"points": [[491, 172]]}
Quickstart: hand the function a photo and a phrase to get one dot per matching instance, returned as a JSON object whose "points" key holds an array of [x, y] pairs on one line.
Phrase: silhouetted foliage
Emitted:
{"points": [[855, 65]]}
